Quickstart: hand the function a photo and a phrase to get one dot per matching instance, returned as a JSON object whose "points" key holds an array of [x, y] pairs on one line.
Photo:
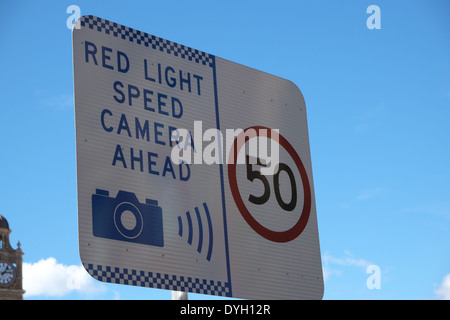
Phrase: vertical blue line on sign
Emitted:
{"points": [[188, 216], [180, 227], [200, 231], [213, 65], [210, 246]]}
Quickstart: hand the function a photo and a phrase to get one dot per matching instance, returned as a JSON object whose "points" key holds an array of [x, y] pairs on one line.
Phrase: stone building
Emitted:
{"points": [[10, 265]]}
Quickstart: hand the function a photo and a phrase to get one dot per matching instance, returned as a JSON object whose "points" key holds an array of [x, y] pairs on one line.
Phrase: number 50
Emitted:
{"points": [[254, 174]]}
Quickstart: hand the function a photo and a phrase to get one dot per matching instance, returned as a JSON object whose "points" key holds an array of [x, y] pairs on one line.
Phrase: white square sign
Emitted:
{"points": [[193, 172]]}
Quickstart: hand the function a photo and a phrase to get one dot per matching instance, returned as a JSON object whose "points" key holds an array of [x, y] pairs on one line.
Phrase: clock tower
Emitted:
{"points": [[10, 265]]}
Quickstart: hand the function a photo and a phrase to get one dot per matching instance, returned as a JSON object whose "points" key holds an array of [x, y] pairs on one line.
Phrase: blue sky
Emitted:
{"points": [[378, 104]]}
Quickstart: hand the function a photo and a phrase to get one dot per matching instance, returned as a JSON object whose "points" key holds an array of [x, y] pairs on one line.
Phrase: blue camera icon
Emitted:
{"points": [[124, 218]]}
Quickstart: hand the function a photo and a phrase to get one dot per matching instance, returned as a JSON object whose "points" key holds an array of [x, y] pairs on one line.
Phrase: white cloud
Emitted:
{"points": [[443, 292], [49, 278], [330, 264], [370, 193], [438, 209], [56, 102], [328, 272], [349, 260]]}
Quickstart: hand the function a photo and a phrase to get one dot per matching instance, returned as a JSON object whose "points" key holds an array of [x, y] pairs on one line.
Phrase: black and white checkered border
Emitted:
{"points": [[146, 39], [157, 280]]}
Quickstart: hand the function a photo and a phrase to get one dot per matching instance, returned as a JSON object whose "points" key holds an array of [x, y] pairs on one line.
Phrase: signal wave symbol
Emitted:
{"points": [[200, 229]]}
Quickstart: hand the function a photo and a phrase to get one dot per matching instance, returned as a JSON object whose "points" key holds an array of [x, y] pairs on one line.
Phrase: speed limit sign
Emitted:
{"points": [[193, 172], [297, 228]]}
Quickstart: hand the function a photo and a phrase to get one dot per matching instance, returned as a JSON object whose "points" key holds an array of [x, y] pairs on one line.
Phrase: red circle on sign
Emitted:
{"points": [[275, 236]]}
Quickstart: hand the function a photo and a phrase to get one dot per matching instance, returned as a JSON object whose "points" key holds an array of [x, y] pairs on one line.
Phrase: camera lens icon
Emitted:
{"points": [[124, 218], [128, 220]]}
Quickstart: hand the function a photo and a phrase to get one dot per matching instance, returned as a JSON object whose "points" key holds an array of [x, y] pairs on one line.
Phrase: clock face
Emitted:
{"points": [[6, 273]]}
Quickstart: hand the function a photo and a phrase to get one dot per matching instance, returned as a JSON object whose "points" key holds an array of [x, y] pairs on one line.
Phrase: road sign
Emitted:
{"points": [[230, 218]]}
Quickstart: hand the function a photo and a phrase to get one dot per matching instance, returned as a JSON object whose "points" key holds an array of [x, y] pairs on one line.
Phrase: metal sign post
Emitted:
{"points": [[179, 295]]}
